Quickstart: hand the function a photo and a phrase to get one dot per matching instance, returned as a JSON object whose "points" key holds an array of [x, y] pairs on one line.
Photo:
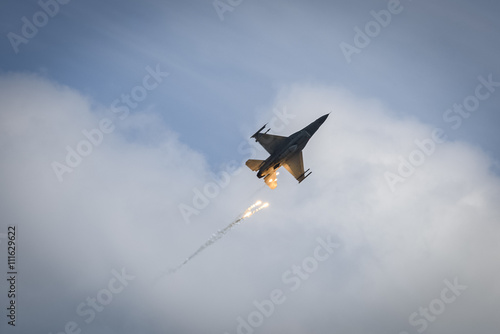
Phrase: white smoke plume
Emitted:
{"points": [[257, 206]]}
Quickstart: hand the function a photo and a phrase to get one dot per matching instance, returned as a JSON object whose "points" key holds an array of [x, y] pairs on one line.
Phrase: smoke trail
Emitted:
{"points": [[257, 206]]}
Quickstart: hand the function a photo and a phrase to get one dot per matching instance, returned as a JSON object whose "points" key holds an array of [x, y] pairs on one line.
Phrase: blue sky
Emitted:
{"points": [[404, 235], [426, 59]]}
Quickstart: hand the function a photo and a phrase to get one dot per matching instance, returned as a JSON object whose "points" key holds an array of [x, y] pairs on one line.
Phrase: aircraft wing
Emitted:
{"points": [[270, 142], [295, 166]]}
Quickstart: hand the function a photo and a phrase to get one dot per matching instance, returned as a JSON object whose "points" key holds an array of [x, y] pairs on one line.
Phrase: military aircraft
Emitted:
{"points": [[284, 151]]}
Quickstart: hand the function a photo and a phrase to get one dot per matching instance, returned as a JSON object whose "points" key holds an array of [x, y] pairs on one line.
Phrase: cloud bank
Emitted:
{"points": [[419, 257]]}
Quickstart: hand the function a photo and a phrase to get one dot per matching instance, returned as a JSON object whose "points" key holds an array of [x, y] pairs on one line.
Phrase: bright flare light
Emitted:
{"points": [[257, 206]]}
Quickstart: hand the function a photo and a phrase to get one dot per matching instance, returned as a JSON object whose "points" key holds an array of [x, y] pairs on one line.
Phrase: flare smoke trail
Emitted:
{"points": [[257, 206]]}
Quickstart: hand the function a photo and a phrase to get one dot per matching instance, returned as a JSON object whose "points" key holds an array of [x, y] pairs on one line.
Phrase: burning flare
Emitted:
{"points": [[257, 206]]}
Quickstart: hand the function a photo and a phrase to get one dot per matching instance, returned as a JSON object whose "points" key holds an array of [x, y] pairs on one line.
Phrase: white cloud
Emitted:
{"points": [[119, 208]]}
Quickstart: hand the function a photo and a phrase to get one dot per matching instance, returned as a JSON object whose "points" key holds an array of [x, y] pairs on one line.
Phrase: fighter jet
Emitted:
{"points": [[284, 151]]}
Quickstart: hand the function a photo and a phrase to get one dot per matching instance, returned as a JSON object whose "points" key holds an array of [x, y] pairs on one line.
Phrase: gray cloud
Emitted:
{"points": [[118, 210]]}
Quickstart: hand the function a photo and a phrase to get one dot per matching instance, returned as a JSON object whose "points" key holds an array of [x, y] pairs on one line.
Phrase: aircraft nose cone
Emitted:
{"points": [[323, 118]]}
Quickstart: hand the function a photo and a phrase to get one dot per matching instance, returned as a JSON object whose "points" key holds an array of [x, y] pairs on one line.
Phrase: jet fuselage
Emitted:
{"points": [[295, 143]]}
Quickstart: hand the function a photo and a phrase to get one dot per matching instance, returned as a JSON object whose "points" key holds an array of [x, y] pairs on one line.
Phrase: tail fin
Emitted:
{"points": [[254, 164]]}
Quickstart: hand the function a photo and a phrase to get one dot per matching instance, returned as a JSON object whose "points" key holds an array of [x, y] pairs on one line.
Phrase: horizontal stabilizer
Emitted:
{"points": [[254, 164]]}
